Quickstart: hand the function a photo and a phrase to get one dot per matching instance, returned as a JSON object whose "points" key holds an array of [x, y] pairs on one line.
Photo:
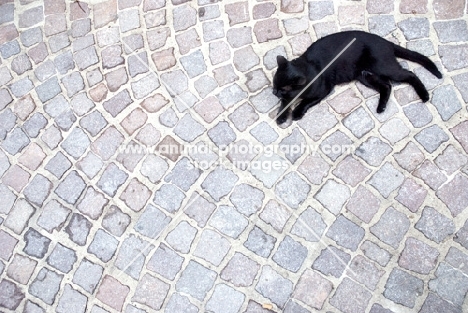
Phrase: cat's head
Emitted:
{"points": [[289, 79]]}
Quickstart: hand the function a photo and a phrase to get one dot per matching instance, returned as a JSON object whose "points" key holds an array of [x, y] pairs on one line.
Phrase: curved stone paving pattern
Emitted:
{"points": [[98, 215]]}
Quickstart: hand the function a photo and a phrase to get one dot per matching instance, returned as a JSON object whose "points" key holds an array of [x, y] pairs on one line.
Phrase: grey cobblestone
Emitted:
{"points": [[72, 300], [260, 242], [225, 299], [88, 275], [46, 285], [62, 258], [37, 190], [391, 227], [274, 286], [196, 272], [152, 222], [19, 215], [331, 261], [435, 225], [228, 221], [131, 256], [345, 233], [180, 303], [293, 190], [431, 138], [103, 246], [309, 225], [450, 284], [181, 239], [403, 288], [290, 254], [53, 216], [165, 262], [212, 247], [386, 180], [71, 187]]}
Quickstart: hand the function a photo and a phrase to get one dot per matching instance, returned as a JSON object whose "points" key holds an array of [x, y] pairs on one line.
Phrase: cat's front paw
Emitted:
{"points": [[297, 115], [281, 119]]}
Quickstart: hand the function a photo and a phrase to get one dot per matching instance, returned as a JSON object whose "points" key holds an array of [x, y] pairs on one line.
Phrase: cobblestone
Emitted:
{"points": [[112, 292], [132, 255], [450, 284], [290, 254], [88, 275], [165, 262], [36, 244], [196, 272], [430, 174], [46, 285], [115, 221], [391, 227], [386, 180], [331, 261], [78, 229], [411, 195], [312, 289], [152, 222], [181, 239], [403, 288], [274, 286], [62, 258], [363, 204], [260, 243], [21, 269], [309, 225], [351, 171]]}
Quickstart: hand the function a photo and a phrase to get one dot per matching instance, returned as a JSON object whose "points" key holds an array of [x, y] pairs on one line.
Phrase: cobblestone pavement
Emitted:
{"points": [[141, 169]]}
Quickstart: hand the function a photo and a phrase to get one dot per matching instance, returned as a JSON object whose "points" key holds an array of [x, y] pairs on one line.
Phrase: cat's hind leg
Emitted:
{"points": [[380, 84], [405, 76]]}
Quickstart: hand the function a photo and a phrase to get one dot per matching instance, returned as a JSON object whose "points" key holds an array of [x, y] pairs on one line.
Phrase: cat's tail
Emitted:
{"points": [[413, 56]]}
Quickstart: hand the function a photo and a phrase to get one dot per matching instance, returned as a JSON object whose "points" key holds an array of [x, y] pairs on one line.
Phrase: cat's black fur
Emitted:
{"points": [[370, 60]]}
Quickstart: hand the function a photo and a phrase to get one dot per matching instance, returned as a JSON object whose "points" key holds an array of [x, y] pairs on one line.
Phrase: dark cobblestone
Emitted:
{"points": [[78, 229]]}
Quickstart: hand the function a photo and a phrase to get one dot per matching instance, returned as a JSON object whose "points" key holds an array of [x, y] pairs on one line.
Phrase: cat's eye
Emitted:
{"points": [[286, 88]]}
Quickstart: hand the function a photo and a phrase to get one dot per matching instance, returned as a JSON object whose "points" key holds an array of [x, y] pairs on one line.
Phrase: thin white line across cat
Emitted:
{"points": [[315, 78]]}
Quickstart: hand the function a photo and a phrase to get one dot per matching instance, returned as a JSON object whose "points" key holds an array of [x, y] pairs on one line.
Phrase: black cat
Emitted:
{"points": [[370, 60]]}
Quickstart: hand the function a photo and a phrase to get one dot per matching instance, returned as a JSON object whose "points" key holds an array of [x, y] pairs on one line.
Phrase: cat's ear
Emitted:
{"points": [[281, 60]]}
